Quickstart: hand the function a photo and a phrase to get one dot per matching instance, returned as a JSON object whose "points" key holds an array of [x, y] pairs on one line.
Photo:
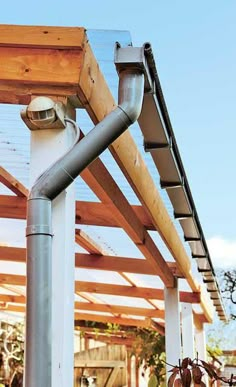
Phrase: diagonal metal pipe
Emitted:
{"points": [[39, 229]]}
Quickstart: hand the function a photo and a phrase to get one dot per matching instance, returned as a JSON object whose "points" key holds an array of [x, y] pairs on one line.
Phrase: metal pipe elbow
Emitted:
{"points": [[131, 90]]}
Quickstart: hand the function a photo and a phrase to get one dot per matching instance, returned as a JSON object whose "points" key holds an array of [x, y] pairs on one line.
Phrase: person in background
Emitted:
{"points": [[152, 382]]}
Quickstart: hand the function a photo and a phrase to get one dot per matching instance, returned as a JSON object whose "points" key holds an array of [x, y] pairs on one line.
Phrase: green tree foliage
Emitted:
{"points": [[149, 345]]}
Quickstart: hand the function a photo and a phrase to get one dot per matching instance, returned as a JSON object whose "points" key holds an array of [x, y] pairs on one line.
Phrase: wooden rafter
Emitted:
{"points": [[103, 185], [93, 247], [12, 183], [87, 243]]}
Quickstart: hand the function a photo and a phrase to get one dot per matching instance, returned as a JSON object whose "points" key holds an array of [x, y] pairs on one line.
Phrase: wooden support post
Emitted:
{"points": [[187, 331], [200, 343], [46, 147], [172, 326], [128, 368], [133, 370], [136, 371]]}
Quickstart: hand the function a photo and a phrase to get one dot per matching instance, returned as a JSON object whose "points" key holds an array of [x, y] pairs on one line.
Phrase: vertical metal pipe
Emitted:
{"points": [[39, 292]]}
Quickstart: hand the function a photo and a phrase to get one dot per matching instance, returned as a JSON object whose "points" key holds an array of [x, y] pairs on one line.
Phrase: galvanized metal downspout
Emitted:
{"points": [[39, 230]]}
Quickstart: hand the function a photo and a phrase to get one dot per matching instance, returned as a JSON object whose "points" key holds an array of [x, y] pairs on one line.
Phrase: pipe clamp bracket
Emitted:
{"points": [[39, 229]]}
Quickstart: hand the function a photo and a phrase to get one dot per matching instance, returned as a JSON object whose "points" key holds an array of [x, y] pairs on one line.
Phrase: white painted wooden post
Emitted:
{"points": [[200, 343], [46, 147], [172, 326], [187, 331]]}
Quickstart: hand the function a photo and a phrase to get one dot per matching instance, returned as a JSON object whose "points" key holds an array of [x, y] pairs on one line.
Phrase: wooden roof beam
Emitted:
{"points": [[131, 291], [121, 309], [118, 264], [88, 213], [145, 323], [100, 288], [100, 214], [92, 261], [12, 207], [88, 306]]}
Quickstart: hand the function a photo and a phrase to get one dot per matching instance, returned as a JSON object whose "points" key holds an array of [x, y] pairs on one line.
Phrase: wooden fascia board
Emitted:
{"points": [[40, 66], [37, 60], [41, 36]]}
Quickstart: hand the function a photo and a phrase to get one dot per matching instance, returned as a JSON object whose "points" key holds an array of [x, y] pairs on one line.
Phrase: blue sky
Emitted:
{"points": [[194, 46]]}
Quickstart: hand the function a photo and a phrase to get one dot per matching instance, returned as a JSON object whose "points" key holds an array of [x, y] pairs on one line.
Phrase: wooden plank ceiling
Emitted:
{"points": [[30, 67]]}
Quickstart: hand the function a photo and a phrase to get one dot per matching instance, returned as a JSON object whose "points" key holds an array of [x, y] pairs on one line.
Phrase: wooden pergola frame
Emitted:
{"points": [[58, 62]]}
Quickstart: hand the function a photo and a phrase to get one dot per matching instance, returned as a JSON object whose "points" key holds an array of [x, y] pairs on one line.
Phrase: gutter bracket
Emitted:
{"points": [[135, 58]]}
